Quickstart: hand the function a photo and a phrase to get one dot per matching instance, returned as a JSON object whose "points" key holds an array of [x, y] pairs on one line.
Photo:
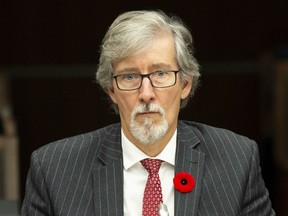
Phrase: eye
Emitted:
{"points": [[160, 73], [128, 76]]}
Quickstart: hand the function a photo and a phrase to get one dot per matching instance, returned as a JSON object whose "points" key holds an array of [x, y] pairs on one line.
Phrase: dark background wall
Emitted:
{"points": [[69, 32], [42, 42]]}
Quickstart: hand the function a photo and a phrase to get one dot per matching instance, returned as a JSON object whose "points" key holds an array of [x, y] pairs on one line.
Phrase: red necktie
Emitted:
{"points": [[153, 191]]}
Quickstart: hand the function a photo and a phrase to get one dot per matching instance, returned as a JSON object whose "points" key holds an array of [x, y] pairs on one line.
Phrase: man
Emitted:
{"points": [[148, 70]]}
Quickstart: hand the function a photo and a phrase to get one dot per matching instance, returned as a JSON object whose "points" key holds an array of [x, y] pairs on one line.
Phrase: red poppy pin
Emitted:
{"points": [[184, 182]]}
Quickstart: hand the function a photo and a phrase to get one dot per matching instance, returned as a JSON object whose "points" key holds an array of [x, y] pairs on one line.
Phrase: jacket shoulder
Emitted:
{"points": [[78, 145], [220, 138]]}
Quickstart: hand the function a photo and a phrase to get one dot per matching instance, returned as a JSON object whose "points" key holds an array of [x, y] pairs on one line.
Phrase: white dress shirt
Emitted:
{"points": [[135, 176]]}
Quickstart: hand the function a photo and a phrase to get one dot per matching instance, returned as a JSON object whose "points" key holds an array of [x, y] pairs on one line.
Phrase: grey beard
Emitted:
{"points": [[148, 132]]}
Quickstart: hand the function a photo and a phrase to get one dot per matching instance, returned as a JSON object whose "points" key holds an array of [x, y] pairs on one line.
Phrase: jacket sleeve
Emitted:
{"points": [[256, 198], [36, 200]]}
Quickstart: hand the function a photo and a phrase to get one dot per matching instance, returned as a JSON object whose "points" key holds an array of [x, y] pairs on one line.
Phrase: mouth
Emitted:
{"points": [[148, 116], [149, 112]]}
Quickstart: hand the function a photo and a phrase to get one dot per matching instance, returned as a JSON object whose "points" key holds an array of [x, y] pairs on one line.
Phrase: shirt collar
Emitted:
{"points": [[132, 155]]}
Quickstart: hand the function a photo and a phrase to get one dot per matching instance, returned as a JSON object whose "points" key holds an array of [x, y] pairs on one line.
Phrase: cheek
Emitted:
{"points": [[124, 111], [125, 103], [171, 102]]}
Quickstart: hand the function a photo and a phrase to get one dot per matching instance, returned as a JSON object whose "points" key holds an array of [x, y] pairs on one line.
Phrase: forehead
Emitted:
{"points": [[160, 53]]}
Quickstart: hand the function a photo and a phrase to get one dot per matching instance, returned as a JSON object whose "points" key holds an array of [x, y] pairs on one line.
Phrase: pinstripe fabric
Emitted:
{"points": [[83, 175]]}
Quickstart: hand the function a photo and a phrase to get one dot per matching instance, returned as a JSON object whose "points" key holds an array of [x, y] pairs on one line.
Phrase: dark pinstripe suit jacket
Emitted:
{"points": [[83, 175]]}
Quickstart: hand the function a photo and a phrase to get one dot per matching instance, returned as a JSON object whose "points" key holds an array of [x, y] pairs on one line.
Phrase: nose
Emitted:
{"points": [[146, 92]]}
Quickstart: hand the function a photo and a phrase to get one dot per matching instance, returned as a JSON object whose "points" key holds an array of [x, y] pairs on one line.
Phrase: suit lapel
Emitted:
{"points": [[189, 160], [108, 178]]}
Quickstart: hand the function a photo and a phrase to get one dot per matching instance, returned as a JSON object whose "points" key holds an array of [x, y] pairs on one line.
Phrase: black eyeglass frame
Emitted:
{"points": [[148, 76]]}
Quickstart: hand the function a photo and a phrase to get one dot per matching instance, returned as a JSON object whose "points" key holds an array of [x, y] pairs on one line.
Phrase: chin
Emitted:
{"points": [[148, 130]]}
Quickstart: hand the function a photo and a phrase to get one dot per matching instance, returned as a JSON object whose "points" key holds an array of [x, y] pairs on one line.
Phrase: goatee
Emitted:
{"points": [[148, 130]]}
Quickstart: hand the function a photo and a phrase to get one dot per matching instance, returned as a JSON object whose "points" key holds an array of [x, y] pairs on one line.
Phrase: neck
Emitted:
{"points": [[152, 149]]}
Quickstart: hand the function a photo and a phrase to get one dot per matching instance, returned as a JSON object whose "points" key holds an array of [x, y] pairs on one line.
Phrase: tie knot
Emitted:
{"points": [[151, 165]]}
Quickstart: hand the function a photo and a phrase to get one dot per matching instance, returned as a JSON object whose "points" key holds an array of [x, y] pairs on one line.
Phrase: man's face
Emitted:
{"points": [[150, 114]]}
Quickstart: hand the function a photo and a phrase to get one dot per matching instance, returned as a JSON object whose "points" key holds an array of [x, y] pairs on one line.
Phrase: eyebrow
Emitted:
{"points": [[130, 69], [150, 68], [160, 66]]}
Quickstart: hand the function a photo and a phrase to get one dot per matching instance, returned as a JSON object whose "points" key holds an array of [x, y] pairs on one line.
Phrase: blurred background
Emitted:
{"points": [[49, 52]]}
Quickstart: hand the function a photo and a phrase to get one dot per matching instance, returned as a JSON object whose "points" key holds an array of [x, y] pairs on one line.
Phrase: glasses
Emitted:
{"points": [[158, 79]]}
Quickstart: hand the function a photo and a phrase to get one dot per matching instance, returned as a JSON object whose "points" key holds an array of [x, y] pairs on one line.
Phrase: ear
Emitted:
{"points": [[186, 88], [112, 94]]}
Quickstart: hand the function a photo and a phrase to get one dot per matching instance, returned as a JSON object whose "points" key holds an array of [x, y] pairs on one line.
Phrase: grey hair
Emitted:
{"points": [[133, 31]]}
